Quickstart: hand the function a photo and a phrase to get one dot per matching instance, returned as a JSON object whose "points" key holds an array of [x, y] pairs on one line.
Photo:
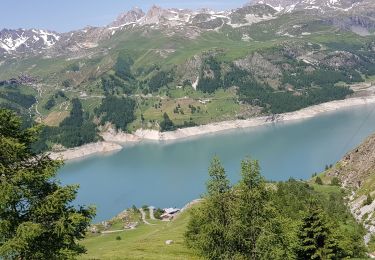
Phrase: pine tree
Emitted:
{"points": [[251, 210], [258, 231], [316, 238], [218, 183], [207, 229], [239, 222], [37, 220]]}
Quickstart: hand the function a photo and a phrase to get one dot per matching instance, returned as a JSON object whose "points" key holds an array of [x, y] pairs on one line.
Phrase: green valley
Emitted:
{"points": [[237, 111], [198, 75]]}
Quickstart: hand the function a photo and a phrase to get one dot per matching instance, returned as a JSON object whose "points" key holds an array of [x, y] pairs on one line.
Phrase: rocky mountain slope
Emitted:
{"points": [[21, 41], [356, 172], [344, 13], [317, 5]]}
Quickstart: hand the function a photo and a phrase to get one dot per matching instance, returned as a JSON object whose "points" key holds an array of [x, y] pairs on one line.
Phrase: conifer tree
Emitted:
{"points": [[251, 210], [207, 230], [218, 183], [37, 220], [239, 222], [257, 230], [316, 238]]}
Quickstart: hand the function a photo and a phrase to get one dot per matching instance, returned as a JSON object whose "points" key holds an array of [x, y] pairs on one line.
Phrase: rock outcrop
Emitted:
{"points": [[356, 172]]}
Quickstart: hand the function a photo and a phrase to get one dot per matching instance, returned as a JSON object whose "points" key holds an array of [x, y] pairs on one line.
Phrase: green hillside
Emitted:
{"points": [[274, 66], [145, 242], [149, 241]]}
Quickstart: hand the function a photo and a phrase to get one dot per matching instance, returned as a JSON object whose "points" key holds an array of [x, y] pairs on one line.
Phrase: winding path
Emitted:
{"points": [[152, 216], [143, 213]]}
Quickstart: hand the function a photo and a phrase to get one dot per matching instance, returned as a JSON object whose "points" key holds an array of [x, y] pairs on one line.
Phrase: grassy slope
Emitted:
{"points": [[223, 105], [148, 242], [143, 48], [145, 242]]}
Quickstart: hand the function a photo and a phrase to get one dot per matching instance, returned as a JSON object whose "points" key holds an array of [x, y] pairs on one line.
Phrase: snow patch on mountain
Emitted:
{"points": [[26, 40], [178, 21], [252, 19], [287, 6]]}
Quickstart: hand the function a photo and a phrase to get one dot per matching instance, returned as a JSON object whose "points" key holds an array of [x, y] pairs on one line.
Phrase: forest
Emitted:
{"points": [[210, 76], [118, 111], [123, 67], [314, 89], [75, 130], [12, 95], [113, 85], [309, 88], [159, 80]]}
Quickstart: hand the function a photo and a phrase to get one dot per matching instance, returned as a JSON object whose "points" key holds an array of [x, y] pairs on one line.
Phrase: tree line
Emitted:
{"points": [[120, 111], [258, 220], [75, 130]]}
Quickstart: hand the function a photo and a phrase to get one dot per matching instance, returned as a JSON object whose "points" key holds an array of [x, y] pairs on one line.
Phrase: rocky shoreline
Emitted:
{"points": [[85, 151], [114, 141]]}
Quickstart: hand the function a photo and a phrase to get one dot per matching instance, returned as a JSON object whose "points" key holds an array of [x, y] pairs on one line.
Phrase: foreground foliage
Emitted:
{"points": [[256, 220], [37, 220], [316, 238]]}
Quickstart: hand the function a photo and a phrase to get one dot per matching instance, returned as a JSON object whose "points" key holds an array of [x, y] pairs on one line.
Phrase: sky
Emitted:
{"points": [[67, 15]]}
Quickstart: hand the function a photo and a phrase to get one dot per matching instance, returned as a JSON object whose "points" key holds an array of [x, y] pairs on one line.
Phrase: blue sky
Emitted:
{"points": [[66, 15]]}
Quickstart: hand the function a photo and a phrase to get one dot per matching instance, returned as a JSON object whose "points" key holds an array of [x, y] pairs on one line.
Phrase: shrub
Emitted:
{"points": [[158, 212], [318, 181], [134, 208], [368, 200], [335, 181]]}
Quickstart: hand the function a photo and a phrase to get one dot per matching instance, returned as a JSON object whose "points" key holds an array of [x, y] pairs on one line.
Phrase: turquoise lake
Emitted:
{"points": [[170, 174]]}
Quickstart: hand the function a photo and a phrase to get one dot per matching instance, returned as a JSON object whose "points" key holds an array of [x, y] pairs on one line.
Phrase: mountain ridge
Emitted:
{"points": [[177, 68], [319, 5], [23, 42]]}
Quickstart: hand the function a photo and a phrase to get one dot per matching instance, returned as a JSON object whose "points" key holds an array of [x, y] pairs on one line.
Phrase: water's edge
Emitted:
{"points": [[172, 173], [115, 141]]}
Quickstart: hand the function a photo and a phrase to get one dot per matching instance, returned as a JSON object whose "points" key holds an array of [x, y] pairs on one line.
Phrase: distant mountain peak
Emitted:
{"points": [[318, 5], [190, 23], [131, 16], [154, 12], [22, 40]]}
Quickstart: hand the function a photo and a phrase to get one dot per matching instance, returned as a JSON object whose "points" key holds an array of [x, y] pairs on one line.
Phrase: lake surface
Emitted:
{"points": [[170, 174]]}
